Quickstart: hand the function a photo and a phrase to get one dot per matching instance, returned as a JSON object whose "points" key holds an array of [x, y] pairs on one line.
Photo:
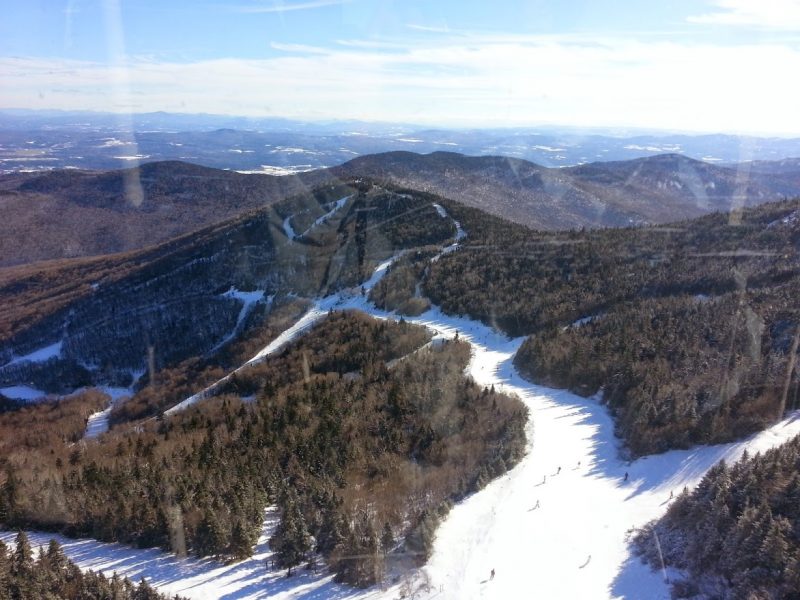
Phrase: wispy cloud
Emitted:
{"points": [[297, 48], [771, 14], [429, 28], [280, 6], [474, 80]]}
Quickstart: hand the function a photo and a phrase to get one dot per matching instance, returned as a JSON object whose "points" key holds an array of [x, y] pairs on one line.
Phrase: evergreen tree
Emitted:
{"points": [[291, 540], [5, 571], [387, 538], [22, 558], [243, 539]]}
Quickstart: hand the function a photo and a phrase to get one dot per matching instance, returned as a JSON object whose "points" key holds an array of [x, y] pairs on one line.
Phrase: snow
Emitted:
{"points": [[585, 511], [40, 355], [288, 229], [248, 299], [312, 316], [573, 545], [205, 579], [292, 234], [662, 148], [440, 209], [97, 423], [337, 206], [113, 142], [280, 171], [22, 392], [460, 233], [582, 321], [790, 219]]}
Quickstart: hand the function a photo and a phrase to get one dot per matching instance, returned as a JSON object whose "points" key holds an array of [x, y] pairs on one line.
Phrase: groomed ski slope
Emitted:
{"points": [[583, 517], [573, 546]]}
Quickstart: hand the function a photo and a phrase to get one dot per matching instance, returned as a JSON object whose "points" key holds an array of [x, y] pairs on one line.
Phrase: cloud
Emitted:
{"points": [[280, 6], [297, 48], [771, 14], [469, 81], [429, 28]]}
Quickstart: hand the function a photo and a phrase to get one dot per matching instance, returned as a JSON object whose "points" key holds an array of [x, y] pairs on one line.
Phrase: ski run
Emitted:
{"points": [[555, 526]]}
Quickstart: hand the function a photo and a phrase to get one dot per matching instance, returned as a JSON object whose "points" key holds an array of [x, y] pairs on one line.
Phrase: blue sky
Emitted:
{"points": [[717, 65]]}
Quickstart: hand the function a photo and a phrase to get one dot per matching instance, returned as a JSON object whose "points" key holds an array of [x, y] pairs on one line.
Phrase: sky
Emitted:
{"points": [[687, 65]]}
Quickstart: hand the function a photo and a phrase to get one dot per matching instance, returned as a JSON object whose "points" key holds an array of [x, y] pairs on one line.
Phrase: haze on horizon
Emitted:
{"points": [[697, 66]]}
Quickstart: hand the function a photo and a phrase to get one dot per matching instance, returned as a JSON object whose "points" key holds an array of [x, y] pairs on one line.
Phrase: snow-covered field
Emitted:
{"points": [[555, 526]]}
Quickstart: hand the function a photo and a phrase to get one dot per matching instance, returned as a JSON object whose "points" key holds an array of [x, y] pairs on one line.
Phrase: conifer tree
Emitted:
{"points": [[291, 540], [5, 571], [22, 558]]}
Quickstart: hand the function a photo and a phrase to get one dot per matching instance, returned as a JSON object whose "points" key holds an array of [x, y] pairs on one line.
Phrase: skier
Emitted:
{"points": [[544, 479], [671, 495], [491, 577], [559, 471], [537, 504], [626, 476]]}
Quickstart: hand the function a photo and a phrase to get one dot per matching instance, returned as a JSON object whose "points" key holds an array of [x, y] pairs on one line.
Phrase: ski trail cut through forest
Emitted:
{"points": [[572, 473]]}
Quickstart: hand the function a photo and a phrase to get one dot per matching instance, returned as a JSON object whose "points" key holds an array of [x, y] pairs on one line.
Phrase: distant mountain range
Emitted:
{"points": [[69, 213], [656, 189], [36, 140]]}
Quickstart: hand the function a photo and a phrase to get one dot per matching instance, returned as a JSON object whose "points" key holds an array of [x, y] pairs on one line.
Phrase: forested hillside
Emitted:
{"points": [[108, 319], [737, 533], [656, 189], [361, 441], [69, 213], [689, 329]]}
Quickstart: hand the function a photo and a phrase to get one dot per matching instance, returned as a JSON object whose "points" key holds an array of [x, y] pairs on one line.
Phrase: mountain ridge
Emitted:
{"points": [[71, 213], [658, 189]]}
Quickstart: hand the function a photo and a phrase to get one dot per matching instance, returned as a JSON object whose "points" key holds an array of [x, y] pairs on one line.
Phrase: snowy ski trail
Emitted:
{"points": [[98, 423], [288, 229], [336, 207], [555, 526], [248, 300], [584, 511], [37, 356]]}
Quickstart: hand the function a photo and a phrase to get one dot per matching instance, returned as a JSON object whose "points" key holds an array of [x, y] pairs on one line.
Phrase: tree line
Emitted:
{"points": [[736, 534], [49, 574]]}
